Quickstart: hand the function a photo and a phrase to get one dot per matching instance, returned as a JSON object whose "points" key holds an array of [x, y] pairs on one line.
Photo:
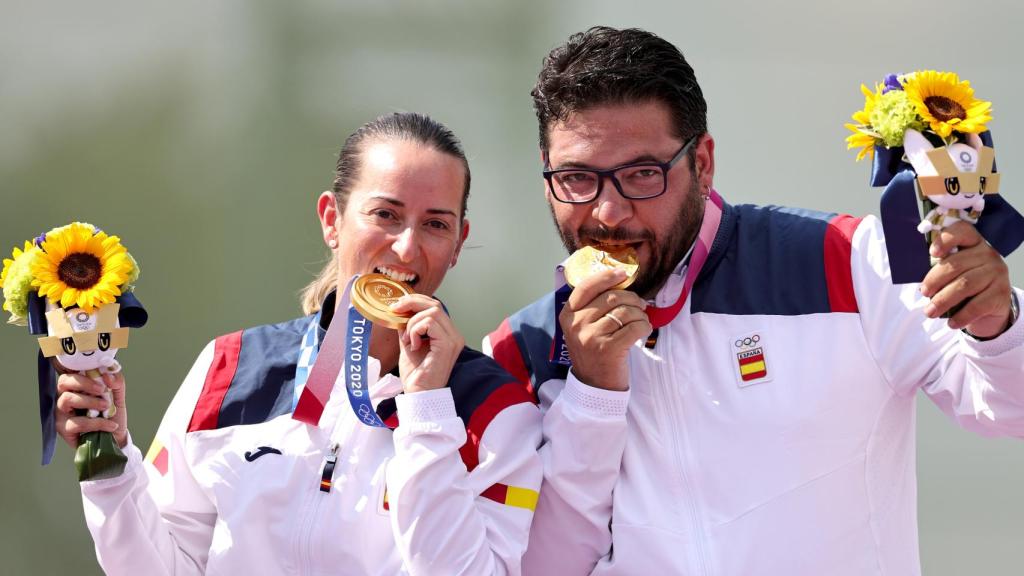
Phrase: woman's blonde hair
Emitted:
{"points": [[397, 126]]}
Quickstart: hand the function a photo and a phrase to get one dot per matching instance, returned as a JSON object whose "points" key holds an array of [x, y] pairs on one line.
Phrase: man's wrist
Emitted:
{"points": [[1014, 315], [594, 400], [597, 383]]}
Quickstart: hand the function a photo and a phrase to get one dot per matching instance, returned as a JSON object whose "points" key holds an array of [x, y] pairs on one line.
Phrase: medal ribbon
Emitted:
{"points": [[325, 370], [559, 351], [308, 350], [701, 249], [658, 316], [347, 343], [357, 350]]}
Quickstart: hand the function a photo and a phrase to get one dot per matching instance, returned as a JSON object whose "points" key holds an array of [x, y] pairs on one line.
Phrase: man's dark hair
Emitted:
{"points": [[609, 66]]}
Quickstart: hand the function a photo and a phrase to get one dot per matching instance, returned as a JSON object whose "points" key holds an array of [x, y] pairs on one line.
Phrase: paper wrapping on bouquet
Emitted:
{"points": [[1000, 224]]}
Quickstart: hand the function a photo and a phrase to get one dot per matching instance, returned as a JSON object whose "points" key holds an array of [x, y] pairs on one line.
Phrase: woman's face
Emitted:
{"points": [[402, 216]]}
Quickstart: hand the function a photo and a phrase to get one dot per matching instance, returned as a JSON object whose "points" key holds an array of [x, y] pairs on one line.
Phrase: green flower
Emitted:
{"points": [[17, 282], [133, 276], [892, 115]]}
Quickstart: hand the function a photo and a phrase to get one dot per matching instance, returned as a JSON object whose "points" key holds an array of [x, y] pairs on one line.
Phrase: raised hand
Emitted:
{"points": [[974, 272], [429, 344], [79, 392], [600, 326]]}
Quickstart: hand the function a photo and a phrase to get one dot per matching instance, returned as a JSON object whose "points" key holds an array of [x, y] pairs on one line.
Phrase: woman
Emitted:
{"points": [[236, 483]]}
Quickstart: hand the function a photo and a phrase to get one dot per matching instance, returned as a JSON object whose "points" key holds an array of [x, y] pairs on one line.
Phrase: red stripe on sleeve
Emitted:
{"points": [[218, 380], [496, 492], [506, 352], [501, 398], [838, 273]]}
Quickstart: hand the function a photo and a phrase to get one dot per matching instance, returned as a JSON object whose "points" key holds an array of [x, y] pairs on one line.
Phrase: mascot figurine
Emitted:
{"points": [[927, 133], [74, 284]]}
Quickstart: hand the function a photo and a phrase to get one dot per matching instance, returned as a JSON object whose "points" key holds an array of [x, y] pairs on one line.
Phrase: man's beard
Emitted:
{"points": [[666, 253]]}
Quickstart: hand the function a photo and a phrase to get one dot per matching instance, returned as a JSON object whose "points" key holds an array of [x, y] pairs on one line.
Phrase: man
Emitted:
{"points": [[747, 406]]}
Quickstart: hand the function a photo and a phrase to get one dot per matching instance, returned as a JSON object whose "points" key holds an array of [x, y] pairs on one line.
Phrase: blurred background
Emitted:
{"points": [[202, 133]]}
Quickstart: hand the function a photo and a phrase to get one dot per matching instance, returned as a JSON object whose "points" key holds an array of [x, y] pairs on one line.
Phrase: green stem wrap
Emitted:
{"points": [[98, 456]]}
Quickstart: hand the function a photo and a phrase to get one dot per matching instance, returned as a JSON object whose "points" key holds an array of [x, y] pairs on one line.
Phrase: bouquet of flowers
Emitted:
{"points": [[927, 135], [937, 103], [74, 284]]}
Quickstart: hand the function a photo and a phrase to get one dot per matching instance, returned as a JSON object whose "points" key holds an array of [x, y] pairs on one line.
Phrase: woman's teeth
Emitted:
{"points": [[396, 275]]}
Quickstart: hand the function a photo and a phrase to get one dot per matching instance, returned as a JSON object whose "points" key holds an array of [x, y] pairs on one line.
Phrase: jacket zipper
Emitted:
{"points": [[306, 540], [679, 442]]}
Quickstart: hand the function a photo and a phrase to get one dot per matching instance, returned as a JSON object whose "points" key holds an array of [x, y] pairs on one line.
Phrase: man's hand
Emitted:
{"points": [[79, 392], [429, 344], [600, 326], [975, 273]]}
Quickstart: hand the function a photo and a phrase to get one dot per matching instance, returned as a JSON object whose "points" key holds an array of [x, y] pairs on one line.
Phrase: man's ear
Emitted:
{"points": [[543, 182], [327, 213], [705, 162]]}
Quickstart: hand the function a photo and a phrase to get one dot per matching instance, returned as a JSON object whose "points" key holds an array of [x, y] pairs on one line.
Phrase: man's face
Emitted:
{"points": [[660, 229]]}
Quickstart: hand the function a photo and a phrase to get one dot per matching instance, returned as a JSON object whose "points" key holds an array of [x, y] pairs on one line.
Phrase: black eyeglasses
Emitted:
{"points": [[637, 181]]}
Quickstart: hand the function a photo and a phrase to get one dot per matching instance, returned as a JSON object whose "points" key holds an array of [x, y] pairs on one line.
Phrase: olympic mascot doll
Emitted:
{"points": [[74, 284], [927, 133]]}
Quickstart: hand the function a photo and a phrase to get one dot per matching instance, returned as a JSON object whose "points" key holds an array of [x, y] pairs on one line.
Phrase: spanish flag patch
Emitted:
{"points": [[751, 358], [157, 456], [512, 496], [500, 493]]}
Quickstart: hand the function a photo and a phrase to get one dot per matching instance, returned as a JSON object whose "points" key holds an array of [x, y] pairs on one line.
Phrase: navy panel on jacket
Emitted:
{"points": [[264, 382], [764, 260], [474, 377], [534, 328], [772, 262]]}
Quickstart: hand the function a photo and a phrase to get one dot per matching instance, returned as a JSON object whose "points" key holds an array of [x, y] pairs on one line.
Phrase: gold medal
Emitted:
{"points": [[373, 295], [589, 260]]}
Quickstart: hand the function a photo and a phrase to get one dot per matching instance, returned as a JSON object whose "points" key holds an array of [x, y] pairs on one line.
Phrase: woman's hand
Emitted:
{"points": [[429, 344], [79, 392]]}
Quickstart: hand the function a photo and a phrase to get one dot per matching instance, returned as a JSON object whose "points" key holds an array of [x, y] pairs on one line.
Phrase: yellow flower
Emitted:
{"points": [[946, 103], [16, 281], [81, 266], [8, 262], [863, 137]]}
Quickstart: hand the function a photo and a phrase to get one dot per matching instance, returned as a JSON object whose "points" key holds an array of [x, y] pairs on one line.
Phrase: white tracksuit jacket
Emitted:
{"points": [[232, 483], [771, 428]]}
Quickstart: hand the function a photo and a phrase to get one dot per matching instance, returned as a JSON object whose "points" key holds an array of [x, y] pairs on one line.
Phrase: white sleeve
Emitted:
{"points": [[584, 438], [441, 518], [980, 385], [154, 518]]}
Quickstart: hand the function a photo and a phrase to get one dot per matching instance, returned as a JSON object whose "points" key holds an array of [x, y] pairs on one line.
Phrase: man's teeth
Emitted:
{"points": [[396, 275]]}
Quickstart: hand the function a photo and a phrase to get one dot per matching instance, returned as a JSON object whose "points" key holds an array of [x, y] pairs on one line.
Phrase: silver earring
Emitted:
{"points": [[332, 243]]}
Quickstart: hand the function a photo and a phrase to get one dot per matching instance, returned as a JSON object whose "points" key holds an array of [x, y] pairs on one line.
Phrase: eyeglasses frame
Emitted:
{"points": [[610, 174]]}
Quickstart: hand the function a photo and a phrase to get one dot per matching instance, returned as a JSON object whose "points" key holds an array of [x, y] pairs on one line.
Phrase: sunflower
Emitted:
{"points": [[863, 137], [16, 281], [946, 103], [82, 266]]}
